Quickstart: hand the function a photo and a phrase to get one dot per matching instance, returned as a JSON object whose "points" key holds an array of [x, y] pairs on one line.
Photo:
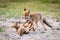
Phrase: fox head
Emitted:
{"points": [[26, 12]]}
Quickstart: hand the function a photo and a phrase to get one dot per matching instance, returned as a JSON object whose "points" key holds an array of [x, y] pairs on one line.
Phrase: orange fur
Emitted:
{"points": [[26, 13], [34, 17], [15, 25], [21, 30]]}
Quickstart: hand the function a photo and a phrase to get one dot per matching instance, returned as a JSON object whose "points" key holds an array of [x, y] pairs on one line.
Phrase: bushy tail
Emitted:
{"points": [[45, 21]]}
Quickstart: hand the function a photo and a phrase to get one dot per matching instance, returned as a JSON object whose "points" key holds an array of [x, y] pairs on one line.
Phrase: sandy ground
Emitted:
{"points": [[9, 33]]}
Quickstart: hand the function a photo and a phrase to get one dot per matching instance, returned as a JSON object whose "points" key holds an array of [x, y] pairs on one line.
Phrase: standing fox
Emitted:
{"points": [[35, 17]]}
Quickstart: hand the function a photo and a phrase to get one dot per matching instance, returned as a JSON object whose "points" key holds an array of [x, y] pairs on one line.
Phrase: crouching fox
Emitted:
{"points": [[24, 29]]}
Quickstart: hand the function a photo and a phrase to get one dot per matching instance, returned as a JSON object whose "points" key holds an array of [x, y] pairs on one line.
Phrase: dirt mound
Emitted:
{"points": [[9, 33]]}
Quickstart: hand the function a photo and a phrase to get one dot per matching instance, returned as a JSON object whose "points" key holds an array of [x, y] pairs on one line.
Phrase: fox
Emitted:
{"points": [[35, 17], [26, 13], [23, 29]]}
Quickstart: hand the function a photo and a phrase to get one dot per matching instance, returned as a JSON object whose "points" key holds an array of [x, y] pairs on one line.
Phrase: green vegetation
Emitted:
{"points": [[58, 29], [1, 30], [14, 8]]}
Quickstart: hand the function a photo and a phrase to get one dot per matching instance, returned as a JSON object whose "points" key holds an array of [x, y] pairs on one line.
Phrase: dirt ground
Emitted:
{"points": [[9, 33]]}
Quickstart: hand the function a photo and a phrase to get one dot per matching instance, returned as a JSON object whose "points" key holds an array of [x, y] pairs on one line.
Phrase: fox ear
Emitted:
{"points": [[24, 9]]}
